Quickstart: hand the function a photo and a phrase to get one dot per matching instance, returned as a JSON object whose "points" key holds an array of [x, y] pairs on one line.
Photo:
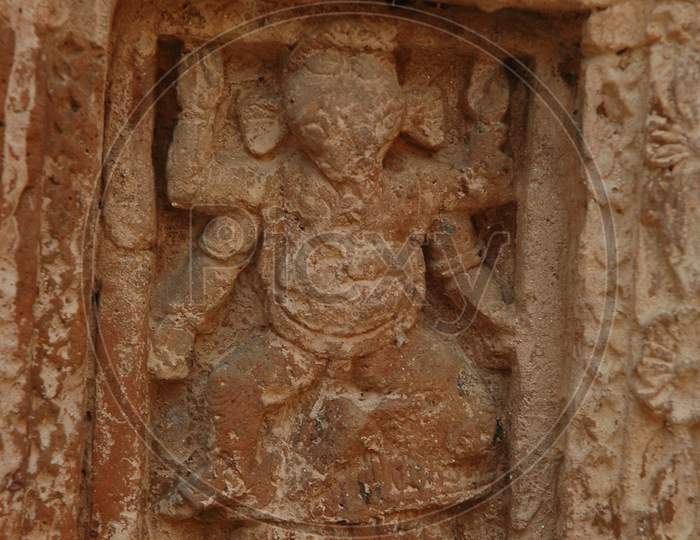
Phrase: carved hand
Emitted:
{"points": [[199, 89], [490, 175], [201, 83], [486, 100], [455, 261]]}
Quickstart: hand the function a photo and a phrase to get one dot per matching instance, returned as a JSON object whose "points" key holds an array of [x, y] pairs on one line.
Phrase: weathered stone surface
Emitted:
{"points": [[290, 270], [615, 29]]}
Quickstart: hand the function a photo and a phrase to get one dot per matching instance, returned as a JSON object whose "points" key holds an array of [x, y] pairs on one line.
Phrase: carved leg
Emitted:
{"points": [[435, 409], [250, 383]]}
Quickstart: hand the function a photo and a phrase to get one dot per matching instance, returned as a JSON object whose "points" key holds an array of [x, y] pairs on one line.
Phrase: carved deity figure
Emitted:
{"points": [[345, 216]]}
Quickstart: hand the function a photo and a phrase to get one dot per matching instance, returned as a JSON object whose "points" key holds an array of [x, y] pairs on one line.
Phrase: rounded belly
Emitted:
{"points": [[345, 285]]}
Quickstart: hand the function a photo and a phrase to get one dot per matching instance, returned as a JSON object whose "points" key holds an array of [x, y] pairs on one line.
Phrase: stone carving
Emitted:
{"points": [[346, 406], [674, 140], [667, 382], [117, 325], [667, 379], [664, 466]]}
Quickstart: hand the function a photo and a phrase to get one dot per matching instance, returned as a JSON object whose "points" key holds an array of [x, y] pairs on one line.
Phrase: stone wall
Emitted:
{"points": [[598, 384]]}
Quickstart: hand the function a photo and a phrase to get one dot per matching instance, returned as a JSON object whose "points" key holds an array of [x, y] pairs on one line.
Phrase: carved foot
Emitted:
{"points": [[187, 500], [176, 505]]}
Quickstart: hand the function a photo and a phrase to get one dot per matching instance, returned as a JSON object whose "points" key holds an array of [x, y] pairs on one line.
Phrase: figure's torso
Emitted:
{"points": [[343, 266]]}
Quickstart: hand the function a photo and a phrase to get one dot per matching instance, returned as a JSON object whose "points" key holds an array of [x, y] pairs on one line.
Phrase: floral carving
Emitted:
{"points": [[667, 378], [673, 142], [667, 382]]}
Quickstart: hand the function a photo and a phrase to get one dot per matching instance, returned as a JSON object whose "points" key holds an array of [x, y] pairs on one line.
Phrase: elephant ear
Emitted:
{"points": [[261, 119], [424, 122]]}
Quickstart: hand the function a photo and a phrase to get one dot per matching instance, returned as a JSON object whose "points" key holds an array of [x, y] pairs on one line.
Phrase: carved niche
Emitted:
{"points": [[332, 316]]}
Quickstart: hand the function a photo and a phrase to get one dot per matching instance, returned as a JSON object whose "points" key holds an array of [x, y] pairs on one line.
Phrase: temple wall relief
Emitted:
{"points": [[321, 270]]}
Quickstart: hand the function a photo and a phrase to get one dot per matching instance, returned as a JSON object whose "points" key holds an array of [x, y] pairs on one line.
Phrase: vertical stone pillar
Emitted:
{"points": [[544, 218], [125, 270], [613, 92], [52, 72], [22, 102], [661, 462]]}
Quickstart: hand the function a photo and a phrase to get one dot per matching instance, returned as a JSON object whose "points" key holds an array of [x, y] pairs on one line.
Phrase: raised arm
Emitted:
{"points": [[189, 296], [200, 89], [487, 179], [214, 164]]}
